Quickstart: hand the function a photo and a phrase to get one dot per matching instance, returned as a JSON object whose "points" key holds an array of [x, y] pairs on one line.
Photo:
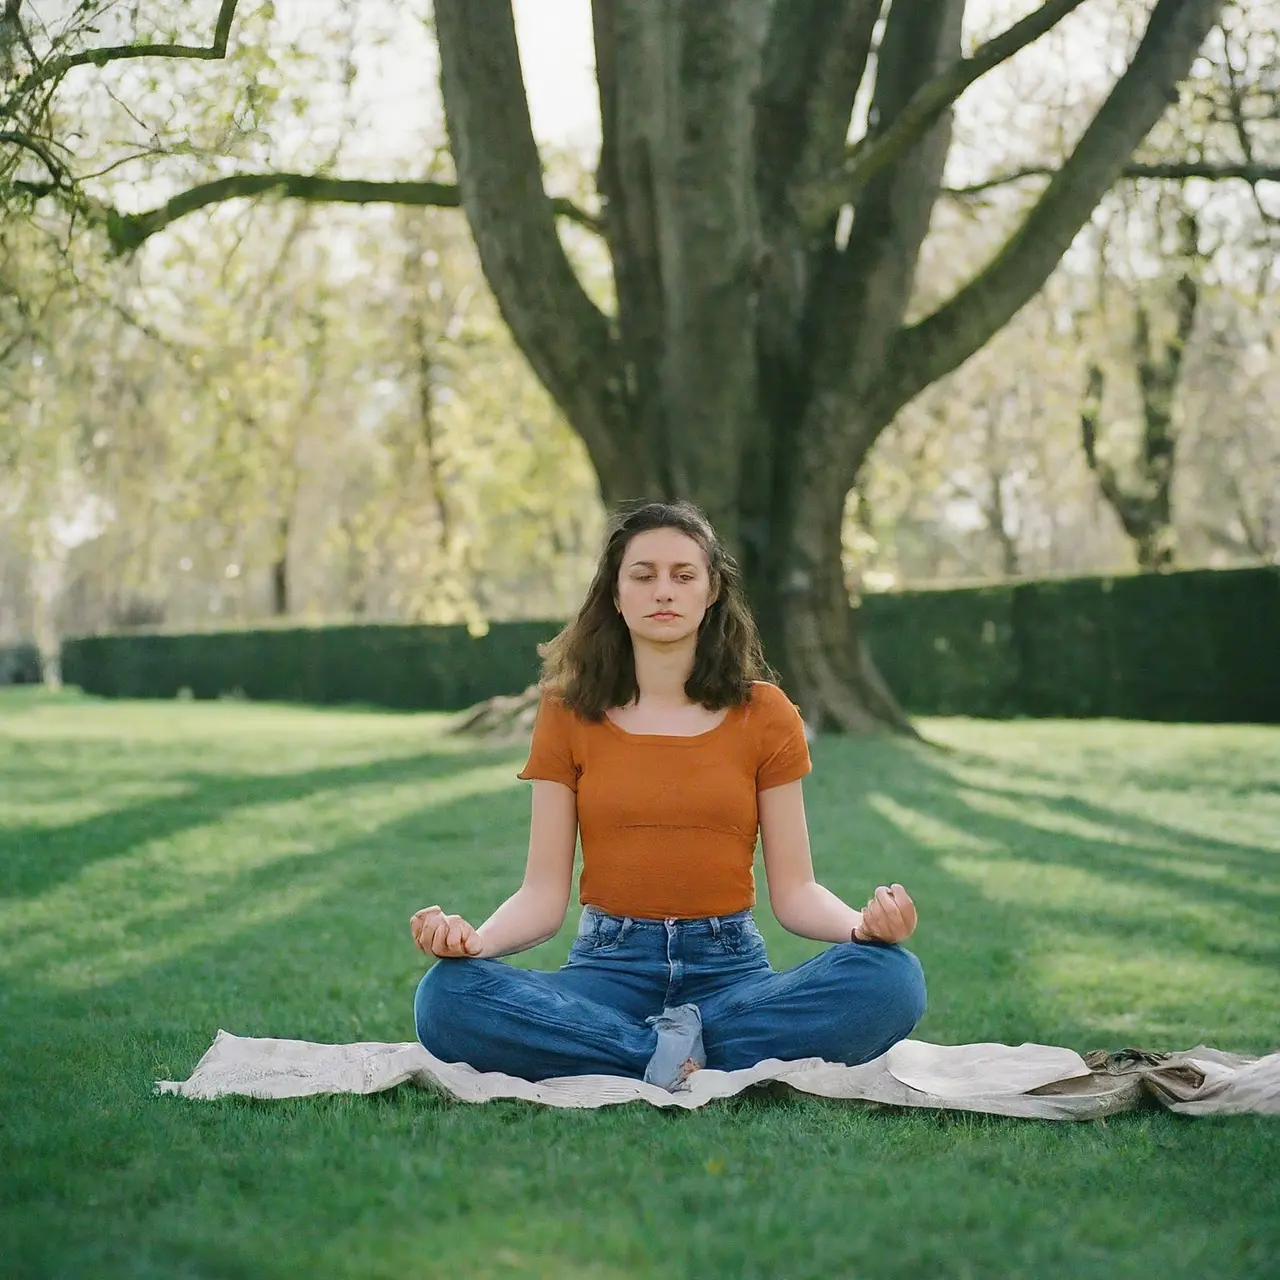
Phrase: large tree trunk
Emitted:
{"points": [[755, 356]]}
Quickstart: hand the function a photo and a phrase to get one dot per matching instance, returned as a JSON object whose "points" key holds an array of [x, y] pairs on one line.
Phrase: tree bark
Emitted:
{"points": [[856, 306], [562, 333], [1144, 500], [280, 572], [755, 357]]}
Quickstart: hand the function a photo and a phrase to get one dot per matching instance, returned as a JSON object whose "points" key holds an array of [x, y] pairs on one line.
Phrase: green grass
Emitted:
{"points": [[169, 869]]}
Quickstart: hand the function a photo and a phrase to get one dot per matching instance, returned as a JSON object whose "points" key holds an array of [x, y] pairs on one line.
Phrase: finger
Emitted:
{"points": [[456, 926], [905, 905], [892, 912], [473, 943], [881, 925], [439, 934], [419, 918], [872, 921]]}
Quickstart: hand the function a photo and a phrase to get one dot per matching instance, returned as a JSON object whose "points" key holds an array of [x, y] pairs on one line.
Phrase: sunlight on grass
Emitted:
{"points": [[1107, 899], [1252, 819], [930, 831], [58, 809], [98, 961], [244, 723], [1041, 817], [169, 884], [1121, 932], [167, 869], [1152, 994]]}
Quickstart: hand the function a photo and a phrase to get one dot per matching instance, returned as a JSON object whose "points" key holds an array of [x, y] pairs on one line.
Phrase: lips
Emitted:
{"points": [[664, 615]]}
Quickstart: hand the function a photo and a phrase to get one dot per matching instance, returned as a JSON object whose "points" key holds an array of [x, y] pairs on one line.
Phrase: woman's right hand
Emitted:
{"points": [[443, 935]]}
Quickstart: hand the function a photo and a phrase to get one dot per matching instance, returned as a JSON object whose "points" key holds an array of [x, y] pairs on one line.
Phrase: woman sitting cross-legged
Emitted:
{"points": [[660, 739]]}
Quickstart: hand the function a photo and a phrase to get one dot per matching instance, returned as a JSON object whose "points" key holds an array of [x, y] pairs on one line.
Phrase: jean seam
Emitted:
{"points": [[588, 1032]]}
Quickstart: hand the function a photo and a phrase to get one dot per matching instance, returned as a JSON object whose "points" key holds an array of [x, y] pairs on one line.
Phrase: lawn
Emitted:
{"points": [[167, 869]]}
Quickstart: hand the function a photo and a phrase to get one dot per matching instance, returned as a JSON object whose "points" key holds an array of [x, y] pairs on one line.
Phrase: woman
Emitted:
{"points": [[659, 739]]}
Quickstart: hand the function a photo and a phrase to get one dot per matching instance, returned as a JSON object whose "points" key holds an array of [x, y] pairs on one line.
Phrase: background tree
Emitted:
{"points": [[1141, 492], [770, 318]]}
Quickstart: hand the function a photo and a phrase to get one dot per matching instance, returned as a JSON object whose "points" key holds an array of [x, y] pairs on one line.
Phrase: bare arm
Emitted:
{"points": [[537, 909], [801, 904]]}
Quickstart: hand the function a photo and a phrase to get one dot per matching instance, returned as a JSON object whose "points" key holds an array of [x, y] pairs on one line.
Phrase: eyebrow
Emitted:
{"points": [[649, 564]]}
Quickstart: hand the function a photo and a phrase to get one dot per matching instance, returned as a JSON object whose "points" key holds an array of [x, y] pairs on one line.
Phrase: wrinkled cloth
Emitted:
{"points": [[1033, 1081]]}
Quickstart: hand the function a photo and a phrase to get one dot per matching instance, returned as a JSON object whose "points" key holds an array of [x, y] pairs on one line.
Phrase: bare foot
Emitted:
{"points": [[687, 1068]]}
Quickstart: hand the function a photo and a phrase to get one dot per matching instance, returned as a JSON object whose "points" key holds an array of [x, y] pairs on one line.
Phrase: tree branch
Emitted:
{"points": [[12, 18], [563, 334], [1171, 171], [861, 294], [37, 149], [942, 341], [57, 67], [819, 201], [129, 230], [814, 59]]}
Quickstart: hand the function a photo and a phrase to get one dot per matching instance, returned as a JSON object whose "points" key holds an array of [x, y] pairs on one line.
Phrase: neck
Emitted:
{"points": [[662, 670]]}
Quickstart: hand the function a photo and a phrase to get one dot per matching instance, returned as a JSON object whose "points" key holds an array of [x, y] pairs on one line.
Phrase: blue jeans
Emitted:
{"points": [[637, 997]]}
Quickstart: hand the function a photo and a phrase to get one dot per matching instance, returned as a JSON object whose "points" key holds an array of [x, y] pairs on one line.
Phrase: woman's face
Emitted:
{"points": [[664, 586]]}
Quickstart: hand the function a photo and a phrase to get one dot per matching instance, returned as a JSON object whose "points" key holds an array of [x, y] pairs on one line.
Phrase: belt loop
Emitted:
{"points": [[715, 926]]}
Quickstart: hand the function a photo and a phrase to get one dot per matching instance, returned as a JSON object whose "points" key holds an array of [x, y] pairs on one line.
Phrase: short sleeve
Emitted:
{"points": [[784, 749], [551, 751]]}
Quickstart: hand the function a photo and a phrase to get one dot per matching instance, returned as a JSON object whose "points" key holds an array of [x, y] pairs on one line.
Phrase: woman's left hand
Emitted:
{"points": [[889, 916]]}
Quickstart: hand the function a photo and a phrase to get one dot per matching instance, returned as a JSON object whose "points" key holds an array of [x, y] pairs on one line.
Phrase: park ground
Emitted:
{"points": [[167, 869]]}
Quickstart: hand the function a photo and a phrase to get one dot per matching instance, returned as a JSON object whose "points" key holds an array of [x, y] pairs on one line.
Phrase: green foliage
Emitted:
{"points": [[1198, 646], [409, 668], [170, 870], [946, 652]]}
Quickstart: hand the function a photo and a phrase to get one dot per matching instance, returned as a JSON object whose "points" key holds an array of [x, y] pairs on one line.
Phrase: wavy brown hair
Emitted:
{"points": [[591, 665]]}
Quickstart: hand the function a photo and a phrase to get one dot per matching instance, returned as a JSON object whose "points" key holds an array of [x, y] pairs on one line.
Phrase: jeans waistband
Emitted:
{"points": [[699, 923]]}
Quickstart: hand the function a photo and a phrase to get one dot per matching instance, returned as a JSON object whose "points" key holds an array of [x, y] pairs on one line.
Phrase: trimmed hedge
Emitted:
{"points": [[946, 653], [1203, 645], [20, 664], [1197, 646], [412, 668]]}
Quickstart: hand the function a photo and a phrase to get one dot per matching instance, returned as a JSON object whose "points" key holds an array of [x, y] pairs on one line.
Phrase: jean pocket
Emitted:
{"points": [[739, 937], [600, 933]]}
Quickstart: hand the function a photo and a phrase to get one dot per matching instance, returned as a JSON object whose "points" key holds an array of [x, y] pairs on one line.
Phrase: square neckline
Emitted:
{"points": [[688, 738]]}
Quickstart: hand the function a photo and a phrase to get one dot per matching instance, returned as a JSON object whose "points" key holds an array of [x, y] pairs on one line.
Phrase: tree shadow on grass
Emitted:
{"points": [[195, 1185], [39, 857], [959, 796], [329, 926], [331, 923], [1127, 895]]}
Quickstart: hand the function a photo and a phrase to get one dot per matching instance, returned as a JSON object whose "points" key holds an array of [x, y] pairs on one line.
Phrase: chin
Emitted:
{"points": [[665, 632]]}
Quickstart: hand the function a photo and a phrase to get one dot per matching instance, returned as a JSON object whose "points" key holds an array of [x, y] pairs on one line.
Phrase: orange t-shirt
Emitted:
{"points": [[669, 824]]}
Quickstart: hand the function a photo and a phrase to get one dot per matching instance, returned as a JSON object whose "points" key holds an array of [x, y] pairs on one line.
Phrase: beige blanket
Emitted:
{"points": [[1029, 1080]]}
